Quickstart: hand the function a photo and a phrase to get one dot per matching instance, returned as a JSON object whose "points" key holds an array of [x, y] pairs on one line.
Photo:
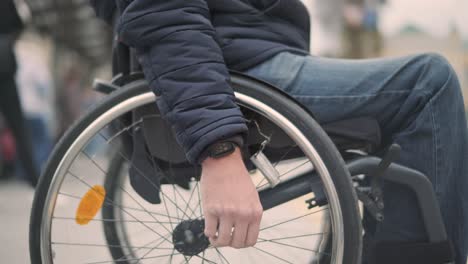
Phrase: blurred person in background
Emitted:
{"points": [[10, 28], [345, 28], [362, 38], [327, 27], [35, 88]]}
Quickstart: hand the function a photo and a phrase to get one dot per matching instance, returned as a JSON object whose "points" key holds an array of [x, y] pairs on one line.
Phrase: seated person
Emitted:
{"points": [[186, 49]]}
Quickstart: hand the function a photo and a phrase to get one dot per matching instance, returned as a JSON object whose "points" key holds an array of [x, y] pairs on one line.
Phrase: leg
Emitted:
{"points": [[418, 103], [10, 106]]}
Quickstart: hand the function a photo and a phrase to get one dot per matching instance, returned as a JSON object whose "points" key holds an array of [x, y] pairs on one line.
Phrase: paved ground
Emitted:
{"points": [[15, 205]]}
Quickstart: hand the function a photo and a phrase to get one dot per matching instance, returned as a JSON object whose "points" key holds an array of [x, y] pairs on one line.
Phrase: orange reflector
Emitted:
{"points": [[90, 204]]}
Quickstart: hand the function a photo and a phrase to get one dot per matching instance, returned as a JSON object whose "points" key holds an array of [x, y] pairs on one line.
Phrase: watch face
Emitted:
{"points": [[222, 149]]}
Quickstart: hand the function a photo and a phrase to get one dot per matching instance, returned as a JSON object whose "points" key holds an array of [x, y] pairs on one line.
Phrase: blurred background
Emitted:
{"points": [[61, 48]]}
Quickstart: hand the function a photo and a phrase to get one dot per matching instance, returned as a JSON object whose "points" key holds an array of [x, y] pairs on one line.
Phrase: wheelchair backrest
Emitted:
{"points": [[162, 144]]}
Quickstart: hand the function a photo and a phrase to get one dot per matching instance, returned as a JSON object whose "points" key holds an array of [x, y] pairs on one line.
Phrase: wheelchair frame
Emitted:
{"points": [[126, 69]]}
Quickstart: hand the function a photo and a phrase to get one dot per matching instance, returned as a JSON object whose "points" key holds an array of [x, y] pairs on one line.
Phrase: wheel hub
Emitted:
{"points": [[189, 238]]}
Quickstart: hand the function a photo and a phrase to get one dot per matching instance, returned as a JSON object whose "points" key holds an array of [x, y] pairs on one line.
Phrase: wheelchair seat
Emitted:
{"points": [[361, 133]]}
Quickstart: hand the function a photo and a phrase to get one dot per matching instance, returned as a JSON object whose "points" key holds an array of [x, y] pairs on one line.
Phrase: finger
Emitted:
{"points": [[224, 233], [239, 235], [211, 225], [252, 234]]}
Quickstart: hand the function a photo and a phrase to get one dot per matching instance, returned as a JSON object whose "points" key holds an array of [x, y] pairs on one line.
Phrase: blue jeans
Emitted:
{"points": [[418, 103]]}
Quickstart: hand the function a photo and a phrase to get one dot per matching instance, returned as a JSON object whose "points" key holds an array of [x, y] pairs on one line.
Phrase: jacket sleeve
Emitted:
{"points": [[176, 44]]}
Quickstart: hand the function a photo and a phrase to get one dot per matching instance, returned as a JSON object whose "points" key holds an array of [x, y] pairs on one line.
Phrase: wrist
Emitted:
{"points": [[221, 148], [235, 156]]}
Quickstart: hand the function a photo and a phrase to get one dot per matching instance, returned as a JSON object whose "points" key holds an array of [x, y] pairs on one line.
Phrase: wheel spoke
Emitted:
{"points": [[295, 168], [271, 254], [116, 205], [293, 219], [172, 255], [125, 129], [175, 198], [184, 260], [284, 155], [151, 242], [106, 245], [198, 206], [203, 258], [297, 247], [89, 186], [132, 259], [112, 220], [157, 188], [149, 157], [125, 191], [276, 164], [167, 211], [180, 195], [149, 251], [285, 173], [144, 208], [283, 238], [187, 205], [221, 254]]}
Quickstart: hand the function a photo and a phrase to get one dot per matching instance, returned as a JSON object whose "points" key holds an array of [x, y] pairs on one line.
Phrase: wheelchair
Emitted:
{"points": [[118, 189]]}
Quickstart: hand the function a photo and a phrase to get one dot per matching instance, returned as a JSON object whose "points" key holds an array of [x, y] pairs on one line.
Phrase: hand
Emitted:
{"points": [[230, 202]]}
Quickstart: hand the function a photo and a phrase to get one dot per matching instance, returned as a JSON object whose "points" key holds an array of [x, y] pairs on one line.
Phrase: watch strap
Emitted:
{"points": [[237, 140]]}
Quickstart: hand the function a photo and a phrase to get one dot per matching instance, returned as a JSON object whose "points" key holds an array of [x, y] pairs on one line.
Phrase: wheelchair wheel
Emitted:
{"points": [[90, 166]]}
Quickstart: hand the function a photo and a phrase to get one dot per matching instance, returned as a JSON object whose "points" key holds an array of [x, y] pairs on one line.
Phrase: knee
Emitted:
{"points": [[438, 63], [437, 72]]}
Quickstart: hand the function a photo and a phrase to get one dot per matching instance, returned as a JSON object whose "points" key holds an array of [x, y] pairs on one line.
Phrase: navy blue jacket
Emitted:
{"points": [[187, 46]]}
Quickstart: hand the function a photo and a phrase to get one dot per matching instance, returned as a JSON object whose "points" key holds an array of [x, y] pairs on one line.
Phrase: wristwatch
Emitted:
{"points": [[221, 149]]}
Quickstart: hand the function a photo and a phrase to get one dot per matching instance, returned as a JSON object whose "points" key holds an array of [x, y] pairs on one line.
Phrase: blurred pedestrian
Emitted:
{"points": [[362, 38], [35, 88], [327, 27], [10, 28]]}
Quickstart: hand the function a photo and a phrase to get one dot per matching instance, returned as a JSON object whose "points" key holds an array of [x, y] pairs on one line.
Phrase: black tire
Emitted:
{"points": [[263, 92], [111, 184]]}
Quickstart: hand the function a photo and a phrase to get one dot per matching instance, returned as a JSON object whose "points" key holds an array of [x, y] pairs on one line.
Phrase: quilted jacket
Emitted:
{"points": [[187, 46]]}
